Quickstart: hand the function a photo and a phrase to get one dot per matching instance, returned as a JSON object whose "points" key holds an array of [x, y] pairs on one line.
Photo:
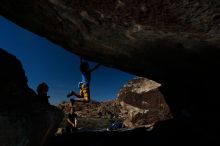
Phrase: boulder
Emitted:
{"points": [[142, 104], [24, 120]]}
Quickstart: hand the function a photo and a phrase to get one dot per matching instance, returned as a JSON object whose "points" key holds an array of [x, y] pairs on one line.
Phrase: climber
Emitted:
{"points": [[84, 85]]}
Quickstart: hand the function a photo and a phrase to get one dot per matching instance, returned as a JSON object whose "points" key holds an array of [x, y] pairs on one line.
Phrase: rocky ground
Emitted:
{"points": [[99, 138]]}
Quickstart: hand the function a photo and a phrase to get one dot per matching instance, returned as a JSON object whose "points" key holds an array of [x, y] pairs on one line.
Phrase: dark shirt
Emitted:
{"points": [[72, 117], [44, 99]]}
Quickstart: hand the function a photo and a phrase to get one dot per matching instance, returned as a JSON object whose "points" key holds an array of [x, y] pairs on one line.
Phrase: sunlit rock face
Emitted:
{"points": [[24, 120], [142, 104], [175, 43]]}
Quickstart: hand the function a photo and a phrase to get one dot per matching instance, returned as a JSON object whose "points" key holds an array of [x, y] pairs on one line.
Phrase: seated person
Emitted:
{"points": [[71, 121], [42, 90]]}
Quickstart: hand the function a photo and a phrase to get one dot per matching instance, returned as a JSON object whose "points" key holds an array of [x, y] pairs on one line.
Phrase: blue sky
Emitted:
{"points": [[47, 62]]}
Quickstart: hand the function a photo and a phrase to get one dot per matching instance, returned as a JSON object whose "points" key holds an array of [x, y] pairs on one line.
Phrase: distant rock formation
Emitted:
{"points": [[24, 120], [142, 103], [94, 109]]}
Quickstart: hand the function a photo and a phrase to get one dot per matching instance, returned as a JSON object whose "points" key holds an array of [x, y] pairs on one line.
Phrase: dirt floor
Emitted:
{"points": [[101, 138]]}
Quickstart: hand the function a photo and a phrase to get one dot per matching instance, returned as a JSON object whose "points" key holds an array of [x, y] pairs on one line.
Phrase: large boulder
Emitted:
{"points": [[142, 104], [24, 120]]}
